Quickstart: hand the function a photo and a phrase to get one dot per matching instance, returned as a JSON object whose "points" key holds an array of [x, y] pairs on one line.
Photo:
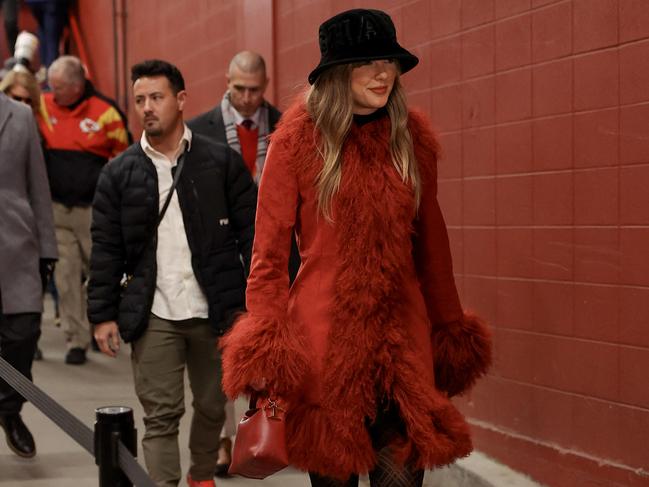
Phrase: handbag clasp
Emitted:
{"points": [[274, 407]]}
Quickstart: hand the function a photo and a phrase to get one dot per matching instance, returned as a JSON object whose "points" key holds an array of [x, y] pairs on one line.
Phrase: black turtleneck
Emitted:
{"points": [[361, 120]]}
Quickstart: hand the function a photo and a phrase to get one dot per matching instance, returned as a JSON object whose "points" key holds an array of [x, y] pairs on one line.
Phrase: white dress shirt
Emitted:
{"points": [[178, 295]]}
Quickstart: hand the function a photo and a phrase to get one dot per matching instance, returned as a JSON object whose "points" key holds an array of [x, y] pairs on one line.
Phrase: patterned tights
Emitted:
{"points": [[386, 473]]}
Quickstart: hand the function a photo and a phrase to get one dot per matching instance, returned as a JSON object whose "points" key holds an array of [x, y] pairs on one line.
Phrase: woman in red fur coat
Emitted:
{"points": [[370, 341]]}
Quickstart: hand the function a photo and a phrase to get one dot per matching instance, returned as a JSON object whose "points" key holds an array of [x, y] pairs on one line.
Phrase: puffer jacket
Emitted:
{"points": [[217, 198]]}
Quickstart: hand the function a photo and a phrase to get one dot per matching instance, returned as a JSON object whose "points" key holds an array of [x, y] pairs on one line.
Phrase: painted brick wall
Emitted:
{"points": [[96, 26], [542, 107]]}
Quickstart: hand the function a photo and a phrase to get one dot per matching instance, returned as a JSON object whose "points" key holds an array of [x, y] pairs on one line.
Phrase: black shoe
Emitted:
{"points": [[38, 354], [224, 458], [19, 439], [76, 356]]}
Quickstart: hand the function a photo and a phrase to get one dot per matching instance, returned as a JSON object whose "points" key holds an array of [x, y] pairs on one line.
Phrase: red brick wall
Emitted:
{"points": [[96, 29], [542, 107]]}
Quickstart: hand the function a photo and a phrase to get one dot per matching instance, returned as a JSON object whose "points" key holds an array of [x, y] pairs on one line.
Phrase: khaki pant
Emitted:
{"points": [[73, 240], [159, 358]]}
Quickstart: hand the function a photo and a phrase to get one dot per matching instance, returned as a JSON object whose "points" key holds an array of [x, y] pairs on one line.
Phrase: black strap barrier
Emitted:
{"points": [[70, 424]]}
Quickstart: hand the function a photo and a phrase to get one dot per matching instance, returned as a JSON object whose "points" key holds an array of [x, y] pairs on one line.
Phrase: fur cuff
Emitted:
{"points": [[462, 353], [258, 348]]}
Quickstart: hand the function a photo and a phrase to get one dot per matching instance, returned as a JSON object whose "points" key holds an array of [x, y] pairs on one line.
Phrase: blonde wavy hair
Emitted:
{"points": [[27, 81], [329, 103]]}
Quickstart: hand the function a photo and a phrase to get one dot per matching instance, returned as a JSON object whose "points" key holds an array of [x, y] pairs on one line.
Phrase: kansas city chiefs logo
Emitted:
{"points": [[87, 125]]}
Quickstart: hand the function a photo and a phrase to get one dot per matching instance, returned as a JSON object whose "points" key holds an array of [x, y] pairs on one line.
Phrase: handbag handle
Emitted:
{"points": [[253, 400]]}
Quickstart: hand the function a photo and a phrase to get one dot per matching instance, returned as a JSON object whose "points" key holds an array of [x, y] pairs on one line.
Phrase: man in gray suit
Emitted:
{"points": [[27, 255]]}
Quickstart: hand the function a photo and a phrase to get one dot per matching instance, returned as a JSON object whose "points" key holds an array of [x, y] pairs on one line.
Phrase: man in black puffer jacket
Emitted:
{"points": [[186, 279]]}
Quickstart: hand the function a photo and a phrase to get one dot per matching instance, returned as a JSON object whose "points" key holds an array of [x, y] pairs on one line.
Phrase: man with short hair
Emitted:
{"points": [[185, 281], [244, 119], [82, 130]]}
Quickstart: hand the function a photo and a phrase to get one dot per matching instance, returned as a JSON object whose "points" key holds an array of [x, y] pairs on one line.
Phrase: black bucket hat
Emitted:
{"points": [[360, 35]]}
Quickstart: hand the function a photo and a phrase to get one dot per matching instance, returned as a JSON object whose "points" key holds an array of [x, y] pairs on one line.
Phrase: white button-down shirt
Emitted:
{"points": [[178, 295]]}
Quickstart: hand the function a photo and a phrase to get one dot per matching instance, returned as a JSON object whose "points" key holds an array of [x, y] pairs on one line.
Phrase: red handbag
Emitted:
{"points": [[260, 445]]}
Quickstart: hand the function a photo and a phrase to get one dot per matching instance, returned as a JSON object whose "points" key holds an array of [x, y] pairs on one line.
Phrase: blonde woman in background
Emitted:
{"points": [[22, 86]]}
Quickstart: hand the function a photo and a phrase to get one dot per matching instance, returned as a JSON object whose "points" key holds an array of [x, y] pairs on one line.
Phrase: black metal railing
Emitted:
{"points": [[113, 443]]}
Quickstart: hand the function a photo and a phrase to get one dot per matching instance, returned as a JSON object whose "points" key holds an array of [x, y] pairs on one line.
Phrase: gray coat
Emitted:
{"points": [[26, 220]]}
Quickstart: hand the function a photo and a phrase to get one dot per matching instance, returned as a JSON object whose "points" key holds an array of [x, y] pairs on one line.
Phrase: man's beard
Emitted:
{"points": [[153, 131]]}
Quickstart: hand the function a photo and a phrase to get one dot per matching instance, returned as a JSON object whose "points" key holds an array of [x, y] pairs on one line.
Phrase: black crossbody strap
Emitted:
{"points": [[179, 168], [174, 184]]}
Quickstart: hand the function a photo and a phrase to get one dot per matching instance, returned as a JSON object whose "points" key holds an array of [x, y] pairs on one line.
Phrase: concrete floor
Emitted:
{"points": [[61, 462]]}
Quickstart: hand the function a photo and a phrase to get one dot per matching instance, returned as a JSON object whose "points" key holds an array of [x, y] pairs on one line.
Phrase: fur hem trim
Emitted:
{"points": [[341, 440], [258, 348], [437, 433], [462, 353], [439, 440]]}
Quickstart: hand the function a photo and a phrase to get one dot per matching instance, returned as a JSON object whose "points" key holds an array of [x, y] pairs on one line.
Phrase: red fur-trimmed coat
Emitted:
{"points": [[373, 312]]}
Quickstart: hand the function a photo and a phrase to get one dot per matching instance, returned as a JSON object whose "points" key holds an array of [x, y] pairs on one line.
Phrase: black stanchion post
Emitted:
{"points": [[113, 424]]}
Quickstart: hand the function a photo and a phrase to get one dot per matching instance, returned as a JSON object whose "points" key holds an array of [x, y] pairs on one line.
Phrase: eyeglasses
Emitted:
{"points": [[23, 99]]}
